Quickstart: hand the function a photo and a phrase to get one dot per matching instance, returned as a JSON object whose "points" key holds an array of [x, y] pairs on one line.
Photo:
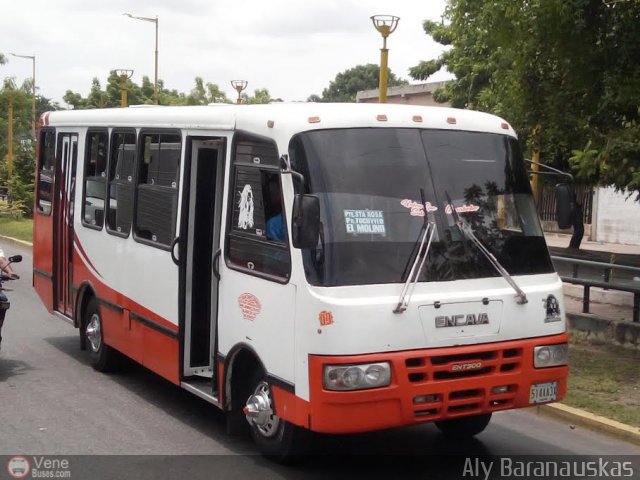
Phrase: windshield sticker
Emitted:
{"points": [[416, 209], [462, 209], [245, 215], [365, 222]]}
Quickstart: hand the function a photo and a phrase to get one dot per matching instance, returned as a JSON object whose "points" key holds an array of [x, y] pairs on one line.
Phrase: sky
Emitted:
{"points": [[294, 48]]}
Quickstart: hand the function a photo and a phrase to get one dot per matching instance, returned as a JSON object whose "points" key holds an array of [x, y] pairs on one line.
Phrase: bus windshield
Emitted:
{"points": [[376, 185]]}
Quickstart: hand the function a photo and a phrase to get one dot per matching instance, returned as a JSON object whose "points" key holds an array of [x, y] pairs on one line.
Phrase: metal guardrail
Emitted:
{"points": [[607, 284]]}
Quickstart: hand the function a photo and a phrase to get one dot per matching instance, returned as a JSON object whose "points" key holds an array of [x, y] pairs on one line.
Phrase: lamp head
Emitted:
{"points": [[239, 85], [385, 24]]}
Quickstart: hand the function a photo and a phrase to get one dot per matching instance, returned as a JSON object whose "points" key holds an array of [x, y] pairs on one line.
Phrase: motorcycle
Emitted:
{"points": [[4, 301]]}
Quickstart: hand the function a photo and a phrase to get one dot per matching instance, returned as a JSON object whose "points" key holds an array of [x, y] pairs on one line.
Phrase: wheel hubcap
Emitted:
{"points": [[259, 412], [94, 333]]}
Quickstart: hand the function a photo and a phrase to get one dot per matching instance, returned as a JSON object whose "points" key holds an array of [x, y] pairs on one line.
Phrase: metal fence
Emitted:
{"points": [[547, 202], [631, 286]]}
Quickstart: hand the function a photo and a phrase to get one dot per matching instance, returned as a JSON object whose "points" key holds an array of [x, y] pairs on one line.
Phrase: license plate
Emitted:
{"points": [[543, 392]]}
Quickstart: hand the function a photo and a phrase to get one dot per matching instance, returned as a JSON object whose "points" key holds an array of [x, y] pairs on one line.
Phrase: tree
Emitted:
{"points": [[201, 94], [348, 83], [20, 183], [564, 74], [260, 95]]}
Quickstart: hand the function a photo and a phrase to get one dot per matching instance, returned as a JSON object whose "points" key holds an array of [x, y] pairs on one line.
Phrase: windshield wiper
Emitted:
{"points": [[423, 251], [467, 231]]}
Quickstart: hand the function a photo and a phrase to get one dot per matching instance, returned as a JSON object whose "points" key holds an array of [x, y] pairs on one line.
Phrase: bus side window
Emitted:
{"points": [[257, 239], [46, 163], [120, 187], [95, 179], [157, 187]]}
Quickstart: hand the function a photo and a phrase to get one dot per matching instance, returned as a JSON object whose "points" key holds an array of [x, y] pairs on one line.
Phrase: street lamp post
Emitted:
{"points": [[33, 86], [386, 25], [239, 85], [124, 75], [155, 83]]}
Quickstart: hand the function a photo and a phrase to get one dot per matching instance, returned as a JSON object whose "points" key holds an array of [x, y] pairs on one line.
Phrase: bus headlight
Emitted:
{"points": [[357, 377], [551, 355]]}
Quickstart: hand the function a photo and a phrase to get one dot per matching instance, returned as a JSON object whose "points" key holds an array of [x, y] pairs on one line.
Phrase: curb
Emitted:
{"points": [[575, 416], [15, 241]]}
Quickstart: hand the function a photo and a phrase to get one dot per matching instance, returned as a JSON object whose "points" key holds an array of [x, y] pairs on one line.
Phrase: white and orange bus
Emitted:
{"points": [[306, 267]]}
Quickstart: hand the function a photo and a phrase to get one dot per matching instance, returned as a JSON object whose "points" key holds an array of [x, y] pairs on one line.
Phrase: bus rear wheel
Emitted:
{"points": [[276, 438], [102, 357], [464, 427]]}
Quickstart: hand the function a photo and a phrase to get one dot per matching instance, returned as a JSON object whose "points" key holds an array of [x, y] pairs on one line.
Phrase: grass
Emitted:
{"points": [[20, 229], [605, 380]]}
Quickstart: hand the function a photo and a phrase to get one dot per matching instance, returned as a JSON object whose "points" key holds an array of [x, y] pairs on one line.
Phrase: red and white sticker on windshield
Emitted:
{"points": [[416, 209], [466, 208]]}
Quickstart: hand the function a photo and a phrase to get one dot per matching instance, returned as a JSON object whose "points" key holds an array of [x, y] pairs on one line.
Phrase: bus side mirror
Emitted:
{"points": [[306, 221], [564, 205]]}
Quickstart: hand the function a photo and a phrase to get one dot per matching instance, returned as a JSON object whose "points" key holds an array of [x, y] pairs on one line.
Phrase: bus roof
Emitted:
{"points": [[285, 117]]}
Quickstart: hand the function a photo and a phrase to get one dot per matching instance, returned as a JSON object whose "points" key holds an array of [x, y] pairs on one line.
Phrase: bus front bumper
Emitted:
{"points": [[433, 384]]}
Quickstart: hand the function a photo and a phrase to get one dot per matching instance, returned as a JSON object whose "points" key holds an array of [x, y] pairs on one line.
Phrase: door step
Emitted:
{"points": [[201, 387], [64, 317]]}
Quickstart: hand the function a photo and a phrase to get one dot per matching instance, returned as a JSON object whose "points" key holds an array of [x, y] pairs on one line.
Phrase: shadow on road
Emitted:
{"points": [[417, 449], [162, 394], [11, 368]]}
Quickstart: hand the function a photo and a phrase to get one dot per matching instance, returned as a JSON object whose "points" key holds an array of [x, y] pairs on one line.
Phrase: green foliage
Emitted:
{"points": [[348, 83], [260, 95], [20, 185], [12, 209], [564, 73], [110, 96]]}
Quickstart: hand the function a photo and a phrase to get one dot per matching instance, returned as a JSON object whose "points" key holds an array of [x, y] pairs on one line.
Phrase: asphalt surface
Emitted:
{"points": [[53, 403]]}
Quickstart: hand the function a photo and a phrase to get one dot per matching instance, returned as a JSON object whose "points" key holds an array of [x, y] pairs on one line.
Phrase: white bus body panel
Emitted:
{"points": [[364, 322]]}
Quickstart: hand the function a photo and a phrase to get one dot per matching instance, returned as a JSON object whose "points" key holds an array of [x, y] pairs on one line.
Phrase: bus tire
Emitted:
{"points": [[276, 438], [464, 427], [102, 357]]}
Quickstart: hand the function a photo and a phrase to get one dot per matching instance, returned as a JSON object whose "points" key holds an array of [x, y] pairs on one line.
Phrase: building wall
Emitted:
{"points": [[617, 217], [418, 94]]}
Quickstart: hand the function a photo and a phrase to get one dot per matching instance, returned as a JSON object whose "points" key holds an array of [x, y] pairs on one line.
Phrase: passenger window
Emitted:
{"points": [[121, 167], [157, 189], [258, 233], [95, 179], [46, 164]]}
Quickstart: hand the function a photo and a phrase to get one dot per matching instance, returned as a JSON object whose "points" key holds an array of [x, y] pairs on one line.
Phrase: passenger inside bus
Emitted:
{"points": [[273, 210]]}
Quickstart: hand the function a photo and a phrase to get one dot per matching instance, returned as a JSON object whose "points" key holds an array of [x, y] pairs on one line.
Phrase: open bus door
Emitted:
{"points": [[199, 251], [65, 179]]}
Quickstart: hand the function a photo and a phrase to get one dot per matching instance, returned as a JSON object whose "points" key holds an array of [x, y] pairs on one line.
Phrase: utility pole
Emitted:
{"points": [[10, 140]]}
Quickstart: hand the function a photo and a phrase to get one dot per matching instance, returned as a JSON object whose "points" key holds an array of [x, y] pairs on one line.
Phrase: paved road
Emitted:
{"points": [[52, 402]]}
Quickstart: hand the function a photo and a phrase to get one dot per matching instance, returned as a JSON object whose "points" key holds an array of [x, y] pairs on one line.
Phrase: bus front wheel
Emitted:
{"points": [[275, 437], [464, 427], [103, 358]]}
